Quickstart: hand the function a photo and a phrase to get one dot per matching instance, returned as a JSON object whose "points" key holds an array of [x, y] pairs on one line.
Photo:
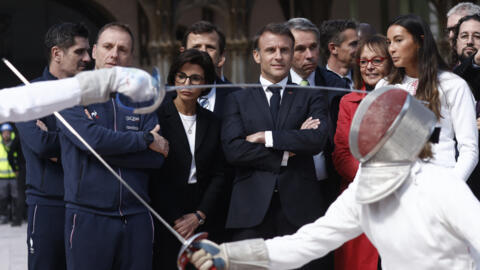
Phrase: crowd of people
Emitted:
{"points": [[246, 163]]}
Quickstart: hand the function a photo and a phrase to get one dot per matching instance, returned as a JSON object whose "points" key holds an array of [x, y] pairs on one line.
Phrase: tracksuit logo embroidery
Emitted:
{"points": [[132, 118], [94, 114]]}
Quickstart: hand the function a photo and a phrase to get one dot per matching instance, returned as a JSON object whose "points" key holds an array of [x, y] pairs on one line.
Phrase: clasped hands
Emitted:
{"points": [[187, 224]]}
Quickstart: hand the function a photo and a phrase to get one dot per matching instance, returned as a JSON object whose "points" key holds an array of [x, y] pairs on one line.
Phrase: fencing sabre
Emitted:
{"points": [[186, 243]]}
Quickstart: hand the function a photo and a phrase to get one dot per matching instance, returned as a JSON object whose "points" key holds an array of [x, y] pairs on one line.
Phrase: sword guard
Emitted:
{"points": [[187, 249]]}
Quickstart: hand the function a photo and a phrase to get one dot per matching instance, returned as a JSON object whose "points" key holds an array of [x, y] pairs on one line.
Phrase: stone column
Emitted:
{"points": [[237, 40]]}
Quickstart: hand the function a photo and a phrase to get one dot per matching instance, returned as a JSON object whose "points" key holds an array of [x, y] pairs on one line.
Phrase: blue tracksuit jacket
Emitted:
{"points": [[44, 177], [118, 136]]}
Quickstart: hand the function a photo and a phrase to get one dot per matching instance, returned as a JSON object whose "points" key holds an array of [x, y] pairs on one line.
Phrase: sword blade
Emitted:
{"points": [[246, 85], [109, 168]]}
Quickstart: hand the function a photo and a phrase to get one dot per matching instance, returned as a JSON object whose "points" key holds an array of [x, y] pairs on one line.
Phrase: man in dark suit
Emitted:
{"points": [[270, 134], [305, 71], [206, 37], [338, 40]]}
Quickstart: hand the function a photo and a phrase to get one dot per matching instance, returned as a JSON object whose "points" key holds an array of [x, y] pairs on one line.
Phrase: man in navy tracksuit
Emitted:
{"points": [[106, 227], [67, 49]]}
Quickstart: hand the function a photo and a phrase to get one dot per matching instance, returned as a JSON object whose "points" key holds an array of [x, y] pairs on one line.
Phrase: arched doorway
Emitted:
{"points": [[23, 25]]}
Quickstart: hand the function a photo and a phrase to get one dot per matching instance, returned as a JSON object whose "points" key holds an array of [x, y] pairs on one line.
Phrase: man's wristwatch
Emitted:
{"points": [[201, 221], [148, 137]]}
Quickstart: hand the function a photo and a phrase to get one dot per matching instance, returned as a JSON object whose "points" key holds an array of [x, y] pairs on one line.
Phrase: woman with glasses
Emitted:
{"points": [[373, 64], [419, 69], [187, 190]]}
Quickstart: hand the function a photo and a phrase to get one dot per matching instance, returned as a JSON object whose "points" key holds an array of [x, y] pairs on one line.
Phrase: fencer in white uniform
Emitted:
{"points": [[39, 99], [416, 213]]}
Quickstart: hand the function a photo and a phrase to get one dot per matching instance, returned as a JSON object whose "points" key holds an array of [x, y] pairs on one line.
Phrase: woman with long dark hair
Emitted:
{"points": [[419, 69]]}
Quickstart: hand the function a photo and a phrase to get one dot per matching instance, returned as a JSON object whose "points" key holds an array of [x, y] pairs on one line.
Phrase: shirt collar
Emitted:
{"points": [[349, 74], [266, 83], [297, 79], [47, 75], [212, 91]]}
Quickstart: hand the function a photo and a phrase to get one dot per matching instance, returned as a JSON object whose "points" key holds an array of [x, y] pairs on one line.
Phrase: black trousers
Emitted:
{"points": [[274, 224]]}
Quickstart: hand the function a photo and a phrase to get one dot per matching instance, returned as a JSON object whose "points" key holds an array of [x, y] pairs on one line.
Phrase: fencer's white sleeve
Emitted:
{"points": [[461, 105], [458, 209], [340, 224], [39, 99]]}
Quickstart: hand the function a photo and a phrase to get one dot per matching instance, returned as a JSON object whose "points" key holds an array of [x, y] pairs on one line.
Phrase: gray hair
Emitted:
{"points": [[464, 8], [303, 24]]}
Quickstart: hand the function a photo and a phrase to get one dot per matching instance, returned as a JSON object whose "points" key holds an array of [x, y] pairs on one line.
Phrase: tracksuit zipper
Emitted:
{"points": [[119, 172]]}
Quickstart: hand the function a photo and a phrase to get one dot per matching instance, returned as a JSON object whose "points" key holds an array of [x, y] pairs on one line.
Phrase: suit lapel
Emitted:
{"points": [[319, 80], [202, 127], [285, 105], [218, 96], [177, 129], [262, 106]]}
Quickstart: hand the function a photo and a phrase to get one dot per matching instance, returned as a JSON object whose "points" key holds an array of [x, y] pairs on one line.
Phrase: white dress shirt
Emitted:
{"points": [[268, 133], [458, 122], [190, 125], [429, 222], [318, 159]]}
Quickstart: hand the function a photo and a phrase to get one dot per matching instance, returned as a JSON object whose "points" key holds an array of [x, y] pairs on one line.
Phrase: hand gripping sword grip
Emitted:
{"points": [[187, 249]]}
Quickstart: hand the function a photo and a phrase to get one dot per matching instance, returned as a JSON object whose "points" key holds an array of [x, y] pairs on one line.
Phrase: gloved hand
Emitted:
{"points": [[97, 85], [209, 254], [251, 254]]}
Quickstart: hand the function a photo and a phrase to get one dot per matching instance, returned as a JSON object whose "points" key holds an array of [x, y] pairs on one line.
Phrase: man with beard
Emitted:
{"points": [[457, 12], [466, 44], [66, 46]]}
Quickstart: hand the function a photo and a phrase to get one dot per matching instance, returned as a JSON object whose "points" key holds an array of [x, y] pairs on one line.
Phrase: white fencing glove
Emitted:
{"points": [[97, 85], [249, 254]]}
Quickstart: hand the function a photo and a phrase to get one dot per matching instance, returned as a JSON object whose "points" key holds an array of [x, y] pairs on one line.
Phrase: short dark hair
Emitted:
{"points": [[331, 31], [118, 25], [274, 28], [197, 57], [202, 27], [63, 36]]}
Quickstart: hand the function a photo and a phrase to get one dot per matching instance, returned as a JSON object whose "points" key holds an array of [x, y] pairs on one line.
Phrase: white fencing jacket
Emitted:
{"points": [[432, 221]]}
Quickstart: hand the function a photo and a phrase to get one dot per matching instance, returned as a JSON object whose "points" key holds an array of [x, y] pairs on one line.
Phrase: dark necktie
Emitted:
{"points": [[348, 81], [203, 102], [274, 101]]}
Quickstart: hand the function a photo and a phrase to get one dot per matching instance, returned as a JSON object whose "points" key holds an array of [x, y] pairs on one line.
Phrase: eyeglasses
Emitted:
{"points": [[465, 37], [375, 61], [449, 29], [181, 77]]}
